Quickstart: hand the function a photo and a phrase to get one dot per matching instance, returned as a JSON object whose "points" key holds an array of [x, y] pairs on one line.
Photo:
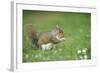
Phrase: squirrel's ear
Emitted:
{"points": [[57, 26]]}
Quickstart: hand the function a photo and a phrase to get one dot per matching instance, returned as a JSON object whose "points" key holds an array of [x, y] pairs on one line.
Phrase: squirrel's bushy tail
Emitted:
{"points": [[32, 34]]}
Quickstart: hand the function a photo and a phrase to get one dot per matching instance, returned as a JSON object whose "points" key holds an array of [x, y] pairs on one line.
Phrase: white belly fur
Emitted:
{"points": [[47, 46]]}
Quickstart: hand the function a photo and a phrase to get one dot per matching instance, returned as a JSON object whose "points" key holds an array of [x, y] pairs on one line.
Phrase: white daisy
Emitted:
{"points": [[79, 51], [84, 50], [85, 56]]}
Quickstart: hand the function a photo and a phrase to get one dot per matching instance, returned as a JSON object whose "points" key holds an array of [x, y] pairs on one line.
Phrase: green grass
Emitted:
{"points": [[77, 32]]}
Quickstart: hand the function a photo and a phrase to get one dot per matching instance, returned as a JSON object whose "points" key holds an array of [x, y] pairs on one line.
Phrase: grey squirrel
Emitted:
{"points": [[45, 40]]}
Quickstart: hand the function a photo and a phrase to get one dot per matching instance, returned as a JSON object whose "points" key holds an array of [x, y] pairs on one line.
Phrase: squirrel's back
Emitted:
{"points": [[56, 35]]}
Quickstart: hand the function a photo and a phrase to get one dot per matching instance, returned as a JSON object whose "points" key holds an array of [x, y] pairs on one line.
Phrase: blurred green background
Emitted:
{"points": [[77, 30]]}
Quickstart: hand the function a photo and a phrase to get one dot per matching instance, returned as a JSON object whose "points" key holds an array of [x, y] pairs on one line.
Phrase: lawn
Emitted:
{"points": [[77, 30]]}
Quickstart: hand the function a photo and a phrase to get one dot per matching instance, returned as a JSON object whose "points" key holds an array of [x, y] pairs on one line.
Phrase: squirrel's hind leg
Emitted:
{"points": [[47, 46]]}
